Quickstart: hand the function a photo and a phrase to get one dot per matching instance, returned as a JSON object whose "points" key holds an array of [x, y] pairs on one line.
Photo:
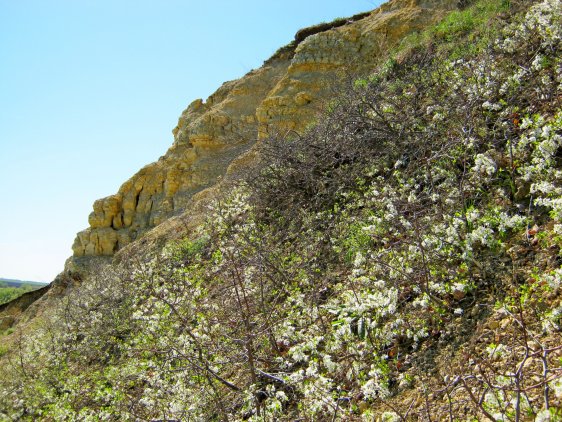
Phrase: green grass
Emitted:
{"points": [[461, 22], [470, 23]]}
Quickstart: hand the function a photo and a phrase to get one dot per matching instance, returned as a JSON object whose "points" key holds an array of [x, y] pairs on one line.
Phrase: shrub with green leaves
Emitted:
{"points": [[329, 286]]}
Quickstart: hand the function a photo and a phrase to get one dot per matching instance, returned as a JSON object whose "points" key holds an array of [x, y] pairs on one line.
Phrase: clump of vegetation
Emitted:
{"points": [[399, 261], [288, 50], [325, 26]]}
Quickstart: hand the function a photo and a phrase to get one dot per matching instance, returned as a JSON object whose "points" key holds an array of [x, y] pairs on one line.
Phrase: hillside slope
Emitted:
{"points": [[284, 94], [214, 138], [398, 260]]}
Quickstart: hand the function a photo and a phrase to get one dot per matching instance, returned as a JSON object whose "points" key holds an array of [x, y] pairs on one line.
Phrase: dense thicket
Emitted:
{"points": [[400, 261]]}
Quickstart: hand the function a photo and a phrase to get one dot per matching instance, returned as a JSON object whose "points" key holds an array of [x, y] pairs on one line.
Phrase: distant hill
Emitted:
{"points": [[8, 282]]}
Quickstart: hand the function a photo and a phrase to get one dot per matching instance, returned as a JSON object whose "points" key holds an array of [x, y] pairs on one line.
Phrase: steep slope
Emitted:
{"points": [[214, 139], [400, 260], [284, 94]]}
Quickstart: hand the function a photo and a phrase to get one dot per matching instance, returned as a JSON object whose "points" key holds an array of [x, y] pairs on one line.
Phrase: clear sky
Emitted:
{"points": [[91, 89]]}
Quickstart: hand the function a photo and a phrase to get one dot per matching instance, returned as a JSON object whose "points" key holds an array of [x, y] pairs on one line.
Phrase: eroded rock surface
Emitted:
{"points": [[209, 135]]}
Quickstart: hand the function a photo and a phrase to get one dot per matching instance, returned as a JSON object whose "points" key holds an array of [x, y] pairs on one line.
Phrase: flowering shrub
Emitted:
{"points": [[328, 286]]}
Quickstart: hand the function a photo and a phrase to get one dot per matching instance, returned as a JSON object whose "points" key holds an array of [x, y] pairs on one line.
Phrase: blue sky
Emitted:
{"points": [[91, 89]]}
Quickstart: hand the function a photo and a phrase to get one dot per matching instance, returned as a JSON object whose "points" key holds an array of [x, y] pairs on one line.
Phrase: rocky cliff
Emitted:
{"points": [[283, 95]]}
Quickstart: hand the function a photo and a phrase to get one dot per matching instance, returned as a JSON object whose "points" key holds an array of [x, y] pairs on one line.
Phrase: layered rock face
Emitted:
{"points": [[208, 137], [283, 95]]}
